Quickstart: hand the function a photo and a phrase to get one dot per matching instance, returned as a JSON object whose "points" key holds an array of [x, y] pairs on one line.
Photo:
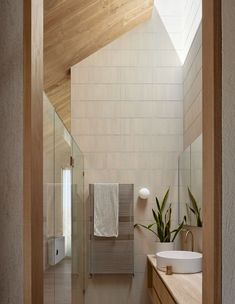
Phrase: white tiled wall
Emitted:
{"points": [[127, 116], [192, 75]]}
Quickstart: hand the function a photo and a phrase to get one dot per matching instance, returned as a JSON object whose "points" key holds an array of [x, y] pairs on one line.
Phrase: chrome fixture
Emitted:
{"points": [[192, 237]]}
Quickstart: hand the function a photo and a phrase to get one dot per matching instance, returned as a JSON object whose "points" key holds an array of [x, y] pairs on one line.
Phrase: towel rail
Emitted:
{"points": [[114, 255]]}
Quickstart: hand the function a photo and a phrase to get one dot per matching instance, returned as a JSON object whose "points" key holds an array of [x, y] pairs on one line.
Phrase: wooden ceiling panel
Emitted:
{"points": [[73, 30]]}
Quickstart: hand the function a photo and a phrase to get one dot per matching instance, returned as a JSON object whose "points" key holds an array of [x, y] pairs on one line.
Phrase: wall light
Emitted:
{"points": [[144, 193]]}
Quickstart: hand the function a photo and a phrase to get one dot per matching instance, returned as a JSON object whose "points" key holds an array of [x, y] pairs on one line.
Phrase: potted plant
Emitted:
{"points": [[161, 227], [194, 208]]}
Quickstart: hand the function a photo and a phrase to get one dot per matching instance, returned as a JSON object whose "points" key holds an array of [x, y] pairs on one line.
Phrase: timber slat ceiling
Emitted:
{"points": [[73, 30]]}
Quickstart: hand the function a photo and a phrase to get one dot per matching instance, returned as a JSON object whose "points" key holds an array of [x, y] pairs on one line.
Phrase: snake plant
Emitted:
{"points": [[194, 208], [161, 226]]}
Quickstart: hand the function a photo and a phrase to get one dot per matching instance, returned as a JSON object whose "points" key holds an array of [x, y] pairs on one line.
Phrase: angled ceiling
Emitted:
{"points": [[73, 30]]}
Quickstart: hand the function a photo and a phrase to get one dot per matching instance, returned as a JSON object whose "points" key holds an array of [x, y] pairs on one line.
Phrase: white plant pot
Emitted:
{"points": [[169, 246]]}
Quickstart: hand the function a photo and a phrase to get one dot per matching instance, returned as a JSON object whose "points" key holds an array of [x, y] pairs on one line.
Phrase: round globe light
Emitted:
{"points": [[144, 193]]}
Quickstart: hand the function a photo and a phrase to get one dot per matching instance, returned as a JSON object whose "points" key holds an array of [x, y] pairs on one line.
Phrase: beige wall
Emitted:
{"points": [[11, 150], [127, 119], [192, 78]]}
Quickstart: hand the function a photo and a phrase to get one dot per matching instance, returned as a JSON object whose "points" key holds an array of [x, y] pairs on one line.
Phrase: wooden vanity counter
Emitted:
{"points": [[175, 288]]}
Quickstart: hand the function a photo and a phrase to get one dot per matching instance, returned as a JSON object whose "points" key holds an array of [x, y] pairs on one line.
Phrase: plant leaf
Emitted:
{"points": [[199, 221], [160, 224], [164, 200], [195, 209], [155, 215], [193, 201], [167, 233], [146, 227], [158, 204], [176, 231], [151, 225]]}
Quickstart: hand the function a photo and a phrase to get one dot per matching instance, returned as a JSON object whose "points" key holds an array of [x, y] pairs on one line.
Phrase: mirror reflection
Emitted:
{"points": [[190, 184]]}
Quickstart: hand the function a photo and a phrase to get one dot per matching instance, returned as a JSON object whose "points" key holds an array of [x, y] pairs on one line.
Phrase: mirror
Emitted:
{"points": [[190, 184], [196, 176], [184, 166]]}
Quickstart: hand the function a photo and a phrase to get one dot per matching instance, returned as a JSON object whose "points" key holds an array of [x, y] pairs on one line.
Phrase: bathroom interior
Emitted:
{"points": [[134, 129]]}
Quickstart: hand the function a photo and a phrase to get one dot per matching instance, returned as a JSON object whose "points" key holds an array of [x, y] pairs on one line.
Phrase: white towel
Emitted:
{"points": [[106, 210]]}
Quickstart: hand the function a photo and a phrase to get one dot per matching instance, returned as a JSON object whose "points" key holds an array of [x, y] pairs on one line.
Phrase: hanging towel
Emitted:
{"points": [[106, 210]]}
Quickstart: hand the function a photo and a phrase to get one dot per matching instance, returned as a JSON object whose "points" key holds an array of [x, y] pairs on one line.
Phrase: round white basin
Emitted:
{"points": [[180, 261]]}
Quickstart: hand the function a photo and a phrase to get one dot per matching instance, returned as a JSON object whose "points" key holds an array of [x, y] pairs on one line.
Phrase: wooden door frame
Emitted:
{"points": [[33, 151], [212, 151]]}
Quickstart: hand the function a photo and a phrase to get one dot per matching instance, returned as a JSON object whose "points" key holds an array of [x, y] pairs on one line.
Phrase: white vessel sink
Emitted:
{"points": [[180, 261]]}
